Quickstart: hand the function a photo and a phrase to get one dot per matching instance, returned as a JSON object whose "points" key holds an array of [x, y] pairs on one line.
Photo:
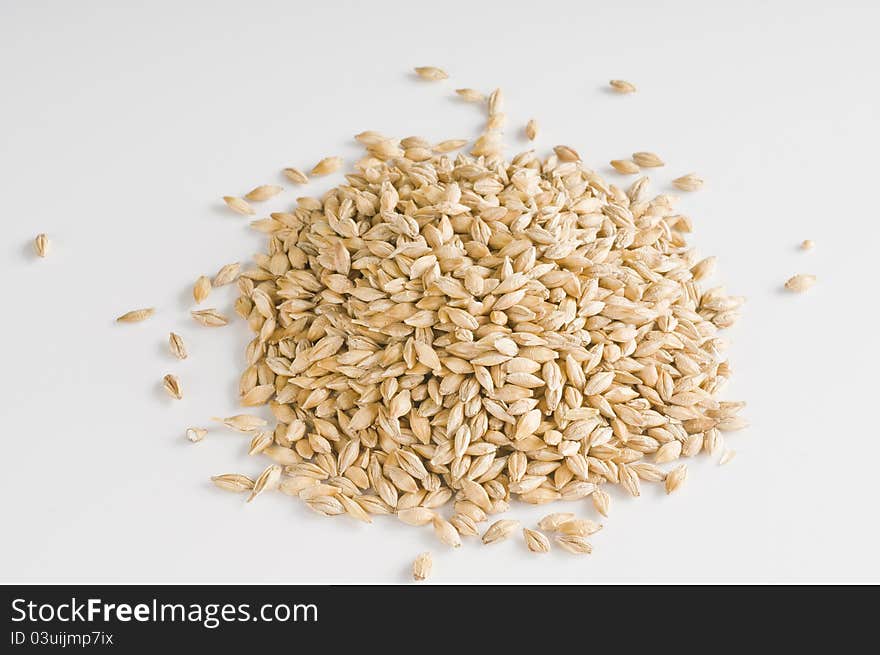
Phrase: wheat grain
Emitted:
{"points": [[807, 244], [726, 457], [531, 129], [196, 434]]}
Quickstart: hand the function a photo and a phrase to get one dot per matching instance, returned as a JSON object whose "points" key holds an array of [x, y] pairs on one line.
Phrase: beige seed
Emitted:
{"points": [[536, 541], [136, 315], [446, 532], [263, 192], [41, 245], [499, 531], [172, 385], [800, 283], [431, 73], [807, 244], [176, 345], [227, 274], [647, 160], [675, 478], [196, 434], [416, 516], [689, 182], [260, 442], [267, 481], [621, 86], [450, 145], [295, 175], [496, 102], [601, 501], [579, 527], [422, 566], [239, 206], [327, 166], [574, 544], [471, 95], [726, 457], [201, 289], [531, 129], [242, 422], [624, 166], [551, 522], [233, 482], [566, 154], [209, 317]]}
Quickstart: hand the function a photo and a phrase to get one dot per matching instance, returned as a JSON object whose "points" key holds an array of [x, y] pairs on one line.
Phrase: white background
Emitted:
{"points": [[122, 124]]}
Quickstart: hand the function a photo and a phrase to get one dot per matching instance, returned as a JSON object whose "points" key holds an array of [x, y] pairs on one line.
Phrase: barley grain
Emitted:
{"points": [[327, 166], [239, 206], [625, 166], [176, 345], [41, 245], [536, 541], [263, 192], [201, 289], [499, 531], [209, 317], [689, 182], [295, 175], [136, 315], [172, 386], [622, 86], [196, 434], [574, 544], [647, 160], [422, 566], [431, 73], [800, 283]]}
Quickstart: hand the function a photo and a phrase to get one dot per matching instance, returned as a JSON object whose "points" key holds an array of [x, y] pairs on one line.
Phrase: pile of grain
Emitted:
{"points": [[463, 329]]}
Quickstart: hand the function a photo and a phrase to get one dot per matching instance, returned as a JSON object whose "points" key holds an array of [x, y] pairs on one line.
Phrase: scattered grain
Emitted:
{"points": [[422, 566], [800, 283]]}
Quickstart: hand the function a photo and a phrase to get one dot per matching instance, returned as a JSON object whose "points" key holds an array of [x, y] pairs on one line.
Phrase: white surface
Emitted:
{"points": [[122, 127]]}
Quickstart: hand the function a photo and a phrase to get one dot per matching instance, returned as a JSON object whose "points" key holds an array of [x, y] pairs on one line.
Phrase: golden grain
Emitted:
{"points": [[431, 73], [136, 315], [41, 245], [622, 86]]}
